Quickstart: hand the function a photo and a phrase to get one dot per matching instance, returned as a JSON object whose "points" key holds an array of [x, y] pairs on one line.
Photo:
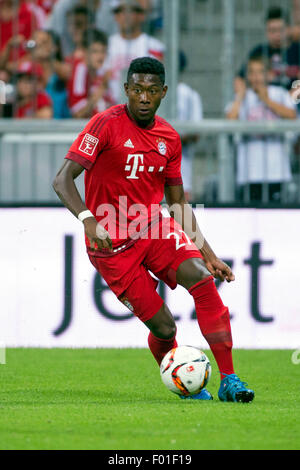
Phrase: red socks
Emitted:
{"points": [[214, 323], [159, 347]]}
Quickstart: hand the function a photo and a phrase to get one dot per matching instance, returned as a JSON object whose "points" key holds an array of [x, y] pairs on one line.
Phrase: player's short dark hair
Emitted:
{"points": [[92, 36], [277, 13], [147, 65]]}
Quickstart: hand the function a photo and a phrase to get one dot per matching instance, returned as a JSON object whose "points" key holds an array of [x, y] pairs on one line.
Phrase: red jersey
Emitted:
{"points": [[127, 168], [81, 86], [29, 109]]}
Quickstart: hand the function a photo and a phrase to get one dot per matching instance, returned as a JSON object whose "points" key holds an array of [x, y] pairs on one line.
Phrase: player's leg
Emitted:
{"points": [[214, 322], [176, 260], [212, 315], [149, 307], [161, 340], [136, 288]]}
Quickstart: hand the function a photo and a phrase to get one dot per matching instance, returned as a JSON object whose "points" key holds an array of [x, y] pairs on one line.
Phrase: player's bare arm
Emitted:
{"points": [[65, 187], [183, 214]]}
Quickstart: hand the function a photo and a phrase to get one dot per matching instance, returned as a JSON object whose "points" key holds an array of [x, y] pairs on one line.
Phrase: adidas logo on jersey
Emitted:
{"points": [[129, 144]]}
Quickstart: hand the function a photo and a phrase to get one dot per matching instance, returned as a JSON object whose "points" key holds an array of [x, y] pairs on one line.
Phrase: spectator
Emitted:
{"points": [[284, 57], [189, 108], [31, 100], [88, 86], [102, 19], [129, 43], [261, 159], [12, 45], [46, 53]]}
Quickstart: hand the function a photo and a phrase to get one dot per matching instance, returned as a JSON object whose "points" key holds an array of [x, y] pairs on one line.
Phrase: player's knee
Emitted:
{"points": [[197, 277], [162, 325], [165, 331], [169, 330]]}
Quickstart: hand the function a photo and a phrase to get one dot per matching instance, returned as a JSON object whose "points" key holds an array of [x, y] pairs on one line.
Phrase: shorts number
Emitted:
{"points": [[177, 239]]}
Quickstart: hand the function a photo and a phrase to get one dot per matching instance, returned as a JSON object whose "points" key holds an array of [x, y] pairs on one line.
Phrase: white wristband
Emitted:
{"points": [[84, 215]]}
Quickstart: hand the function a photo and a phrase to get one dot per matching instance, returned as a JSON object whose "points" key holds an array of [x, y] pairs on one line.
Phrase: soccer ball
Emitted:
{"points": [[185, 370]]}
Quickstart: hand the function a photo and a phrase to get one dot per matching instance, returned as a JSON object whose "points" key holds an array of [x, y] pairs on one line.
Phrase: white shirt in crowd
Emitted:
{"points": [[122, 51], [57, 21], [263, 158], [189, 108]]}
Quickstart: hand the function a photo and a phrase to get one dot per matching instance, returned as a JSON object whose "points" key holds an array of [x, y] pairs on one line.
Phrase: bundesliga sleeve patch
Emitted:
{"points": [[88, 144], [162, 146]]}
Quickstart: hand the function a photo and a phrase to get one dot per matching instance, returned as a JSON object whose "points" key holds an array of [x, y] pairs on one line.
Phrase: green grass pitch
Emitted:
{"points": [[114, 399]]}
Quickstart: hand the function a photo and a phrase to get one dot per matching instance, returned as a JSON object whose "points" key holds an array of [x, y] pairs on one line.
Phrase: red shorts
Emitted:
{"points": [[127, 272]]}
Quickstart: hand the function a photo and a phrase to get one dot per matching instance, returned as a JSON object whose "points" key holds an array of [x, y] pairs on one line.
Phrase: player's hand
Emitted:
{"points": [[220, 270], [97, 235]]}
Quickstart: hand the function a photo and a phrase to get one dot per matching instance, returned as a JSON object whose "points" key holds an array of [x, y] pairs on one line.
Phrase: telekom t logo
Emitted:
{"points": [[135, 167]]}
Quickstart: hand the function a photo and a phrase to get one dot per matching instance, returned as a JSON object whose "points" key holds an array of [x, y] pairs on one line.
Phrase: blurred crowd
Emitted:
{"points": [[68, 59]]}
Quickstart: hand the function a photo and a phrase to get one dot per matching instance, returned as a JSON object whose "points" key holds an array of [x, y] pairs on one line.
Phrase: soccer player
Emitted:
{"points": [[132, 158]]}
